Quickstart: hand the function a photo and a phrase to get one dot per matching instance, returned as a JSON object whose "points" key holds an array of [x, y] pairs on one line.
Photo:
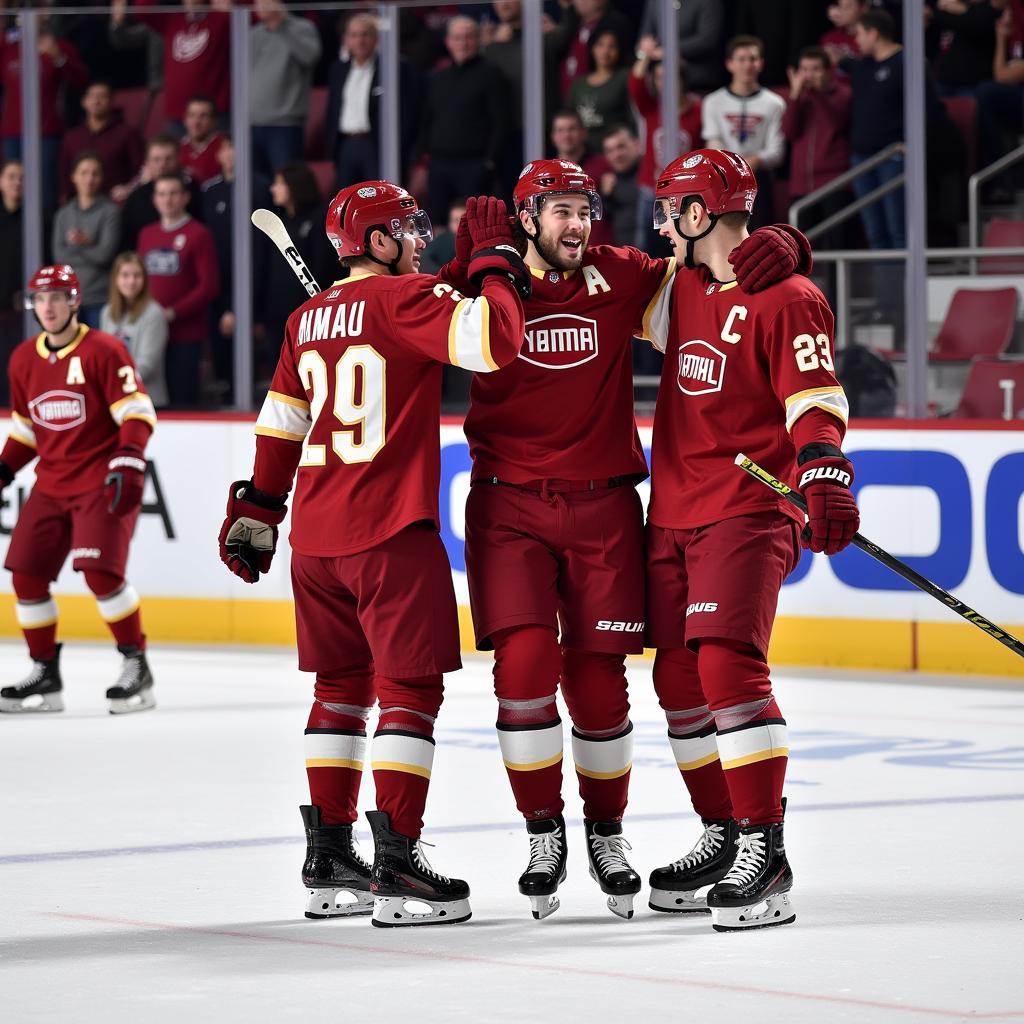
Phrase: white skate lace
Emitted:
{"points": [[750, 855], [545, 852], [707, 846], [609, 852], [131, 673], [36, 676], [420, 860]]}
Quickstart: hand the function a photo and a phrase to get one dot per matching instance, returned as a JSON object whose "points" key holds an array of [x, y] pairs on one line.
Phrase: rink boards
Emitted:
{"points": [[949, 500]]}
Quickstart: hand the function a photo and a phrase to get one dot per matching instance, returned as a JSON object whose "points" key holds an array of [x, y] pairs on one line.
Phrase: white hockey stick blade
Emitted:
{"points": [[270, 224]]}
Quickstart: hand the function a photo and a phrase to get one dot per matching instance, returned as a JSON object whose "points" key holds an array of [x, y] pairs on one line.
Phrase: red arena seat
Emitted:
{"points": [[979, 323], [985, 398], [1001, 233]]}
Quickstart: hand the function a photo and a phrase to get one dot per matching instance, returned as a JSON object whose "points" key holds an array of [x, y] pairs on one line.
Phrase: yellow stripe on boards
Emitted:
{"points": [[333, 762], [536, 766], [397, 766], [692, 766], [761, 755], [603, 775]]}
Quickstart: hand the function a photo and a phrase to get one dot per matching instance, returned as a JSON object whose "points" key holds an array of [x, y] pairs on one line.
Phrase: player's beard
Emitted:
{"points": [[546, 245]]}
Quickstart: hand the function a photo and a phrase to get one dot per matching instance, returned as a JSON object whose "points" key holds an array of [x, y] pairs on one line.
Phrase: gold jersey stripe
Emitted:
{"points": [[692, 766], [398, 766], [761, 755], [617, 774], [536, 766], [334, 762]]}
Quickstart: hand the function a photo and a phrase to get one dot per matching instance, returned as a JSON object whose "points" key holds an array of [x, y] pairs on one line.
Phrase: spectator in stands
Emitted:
{"points": [[196, 46], [12, 280], [592, 15], [701, 33], [105, 133], [619, 186], [1001, 100], [840, 41], [746, 119], [86, 232], [129, 36], [197, 153], [218, 199], [138, 209], [816, 124], [966, 34], [601, 98], [59, 68], [285, 50], [441, 248], [464, 122], [180, 258], [297, 201], [569, 139], [134, 316], [784, 28]]}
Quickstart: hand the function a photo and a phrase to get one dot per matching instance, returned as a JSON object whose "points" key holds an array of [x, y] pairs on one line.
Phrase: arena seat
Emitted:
{"points": [[1001, 233], [982, 396], [134, 104], [314, 128], [979, 322]]}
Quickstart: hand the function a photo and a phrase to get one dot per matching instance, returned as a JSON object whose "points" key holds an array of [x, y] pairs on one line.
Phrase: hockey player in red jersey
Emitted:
{"points": [[354, 407], [554, 526], [78, 404], [749, 373]]}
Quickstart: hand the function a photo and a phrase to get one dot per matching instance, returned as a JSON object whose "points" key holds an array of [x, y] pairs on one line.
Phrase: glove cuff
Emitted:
{"points": [[243, 490], [818, 450], [503, 259], [128, 458]]}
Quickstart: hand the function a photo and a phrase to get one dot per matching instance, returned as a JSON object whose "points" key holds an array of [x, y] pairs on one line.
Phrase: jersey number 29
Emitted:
{"points": [[359, 381]]}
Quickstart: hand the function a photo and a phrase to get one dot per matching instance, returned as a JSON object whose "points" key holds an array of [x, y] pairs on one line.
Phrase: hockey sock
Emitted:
{"points": [[335, 741], [118, 603], [527, 663], [403, 748], [36, 612], [594, 688], [752, 739], [691, 732]]}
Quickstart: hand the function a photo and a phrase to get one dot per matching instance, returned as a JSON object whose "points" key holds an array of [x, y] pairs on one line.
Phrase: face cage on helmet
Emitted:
{"points": [[533, 204], [71, 293]]}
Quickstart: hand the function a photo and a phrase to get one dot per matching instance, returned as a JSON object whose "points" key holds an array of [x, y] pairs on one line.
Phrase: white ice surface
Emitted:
{"points": [[149, 865]]}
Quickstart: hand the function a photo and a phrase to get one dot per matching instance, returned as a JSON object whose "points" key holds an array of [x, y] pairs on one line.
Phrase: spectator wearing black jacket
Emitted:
{"points": [[138, 210], [966, 34], [465, 121]]}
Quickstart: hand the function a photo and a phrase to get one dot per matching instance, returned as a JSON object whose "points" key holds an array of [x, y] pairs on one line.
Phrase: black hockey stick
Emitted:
{"points": [[271, 225], [890, 561]]}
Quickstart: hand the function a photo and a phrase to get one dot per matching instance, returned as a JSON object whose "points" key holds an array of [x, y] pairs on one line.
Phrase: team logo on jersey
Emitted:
{"points": [[179, 242], [560, 341], [162, 263], [701, 368], [189, 44], [58, 410]]}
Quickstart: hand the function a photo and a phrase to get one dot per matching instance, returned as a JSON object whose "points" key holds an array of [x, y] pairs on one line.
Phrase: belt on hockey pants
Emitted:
{"points": [[558, 486]]}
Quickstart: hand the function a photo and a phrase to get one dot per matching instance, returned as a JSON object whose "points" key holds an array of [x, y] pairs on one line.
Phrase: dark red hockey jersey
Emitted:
{"points": [[358, 384], [69, 405]]}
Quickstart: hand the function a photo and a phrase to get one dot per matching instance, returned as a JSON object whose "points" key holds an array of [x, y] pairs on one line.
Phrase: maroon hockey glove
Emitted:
{"points": [[770, 255], [248, 535], [494, 249], [126, 476], [826, 476]]}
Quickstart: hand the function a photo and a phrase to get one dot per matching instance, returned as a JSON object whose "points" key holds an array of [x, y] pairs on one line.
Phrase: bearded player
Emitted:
{"points": [[354, 408], [753, 374], [554, 526], [78, 404]]}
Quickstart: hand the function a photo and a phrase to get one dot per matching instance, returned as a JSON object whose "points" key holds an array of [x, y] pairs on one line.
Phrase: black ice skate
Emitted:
{"points": [[336, 878], [755, 891], [407, 890], [606, 848], [675, 888], [40, 690], [546, 870], [133, 690]]}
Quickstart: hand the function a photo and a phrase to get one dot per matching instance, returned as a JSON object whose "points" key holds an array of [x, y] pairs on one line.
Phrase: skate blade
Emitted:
{"points": [[775, 910], [620, 905], [409, 911], [544, 906], [669, 901], [127, 705], [344, 902], [37, 703]]}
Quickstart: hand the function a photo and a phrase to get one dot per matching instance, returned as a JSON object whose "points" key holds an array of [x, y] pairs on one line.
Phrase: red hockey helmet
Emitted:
{"points": [[544, 178], [359, 209], [58, 277], [722, 181]]}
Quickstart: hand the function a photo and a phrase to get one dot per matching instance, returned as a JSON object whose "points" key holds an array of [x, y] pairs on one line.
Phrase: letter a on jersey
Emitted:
{"points": [[75, 374]]}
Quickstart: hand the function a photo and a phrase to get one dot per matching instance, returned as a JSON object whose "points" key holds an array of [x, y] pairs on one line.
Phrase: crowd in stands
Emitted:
{"points": [[138, 163]]}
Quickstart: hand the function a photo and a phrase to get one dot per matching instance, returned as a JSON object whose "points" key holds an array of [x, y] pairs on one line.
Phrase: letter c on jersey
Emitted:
{"points": [[729, 336]]}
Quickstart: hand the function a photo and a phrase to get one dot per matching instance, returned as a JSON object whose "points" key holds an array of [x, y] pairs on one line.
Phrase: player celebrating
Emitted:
{"points": [[77, 404], [554, 526], [753, 374], [354, 406]]}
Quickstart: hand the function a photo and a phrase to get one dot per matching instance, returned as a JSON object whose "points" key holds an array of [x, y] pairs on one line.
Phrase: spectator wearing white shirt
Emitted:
{"points": [[744, 118]]}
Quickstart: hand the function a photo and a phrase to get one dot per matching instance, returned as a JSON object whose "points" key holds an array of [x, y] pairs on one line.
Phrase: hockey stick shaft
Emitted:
{"points": [[890, 561], [271, 225]]}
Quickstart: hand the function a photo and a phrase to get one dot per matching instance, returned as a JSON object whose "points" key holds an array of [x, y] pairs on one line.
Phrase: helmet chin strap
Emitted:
{"points": [[691, 240], [392, 265], [542, 250], [60, 330]]}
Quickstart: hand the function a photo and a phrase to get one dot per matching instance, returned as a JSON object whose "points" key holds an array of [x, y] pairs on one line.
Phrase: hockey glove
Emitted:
{"points": [[770, 255], [826, 476], [126, 476], [248, 535], [493, 245]]}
